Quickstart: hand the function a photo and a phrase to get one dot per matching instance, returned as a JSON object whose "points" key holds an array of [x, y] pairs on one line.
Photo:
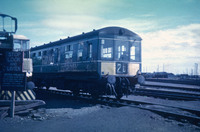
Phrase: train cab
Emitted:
{"points": [[120, 52], [22, 43]]}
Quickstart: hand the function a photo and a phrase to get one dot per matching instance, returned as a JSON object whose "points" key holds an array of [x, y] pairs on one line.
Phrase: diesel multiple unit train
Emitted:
{"points": [[101, 62]]}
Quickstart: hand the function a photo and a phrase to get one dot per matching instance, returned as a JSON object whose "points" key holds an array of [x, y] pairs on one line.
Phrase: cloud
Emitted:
{"points": [[54, 27], [79, 23], [68, 7], [178, 47], [74, 22]]}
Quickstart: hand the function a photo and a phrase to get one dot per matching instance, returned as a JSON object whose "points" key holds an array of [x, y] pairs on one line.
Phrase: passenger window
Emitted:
{"points": [[132, 53], [89, 50], [102, 41], [135, 51], [56, 55], [68, 51], [80, 51], [107, 52], [106, 49], [39, 54], [34, 55], [51, 52], [44, 53]]}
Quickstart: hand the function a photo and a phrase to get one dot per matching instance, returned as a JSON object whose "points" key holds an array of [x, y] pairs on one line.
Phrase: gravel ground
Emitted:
{"points": [[77, 116]]}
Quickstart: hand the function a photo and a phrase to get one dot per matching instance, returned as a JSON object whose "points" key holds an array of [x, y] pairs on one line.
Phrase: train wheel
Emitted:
{"points": [[75, 92], [109, 90], [118, 89], [115, 90], [118, 96], [47, 87], [118, 93], [95, 95]]}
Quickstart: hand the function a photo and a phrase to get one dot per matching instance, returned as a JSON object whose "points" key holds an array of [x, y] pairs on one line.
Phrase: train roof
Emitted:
{"points": [[22, 37], [106, 32]]}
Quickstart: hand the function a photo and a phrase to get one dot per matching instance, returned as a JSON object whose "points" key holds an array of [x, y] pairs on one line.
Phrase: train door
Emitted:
{"points": [[89, 51], [57, 56]]}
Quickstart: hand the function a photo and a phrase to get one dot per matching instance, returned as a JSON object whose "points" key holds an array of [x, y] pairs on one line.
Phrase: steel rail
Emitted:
{"points": [[171, 87], [167, 94]]}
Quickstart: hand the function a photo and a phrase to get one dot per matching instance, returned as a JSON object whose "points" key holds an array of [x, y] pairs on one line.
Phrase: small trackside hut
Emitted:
{"points": [[104, 61]]}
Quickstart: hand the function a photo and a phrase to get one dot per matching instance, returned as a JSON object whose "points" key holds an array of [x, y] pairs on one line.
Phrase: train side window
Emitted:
{"points": [[39, 54], [51, 57], [51, 52], [107, 52], [68, 51], [44, 53], [132, 53], [56, 55], [80, 51], [69, 48], [106, 49], [135, 51], [102, 41], [34, 55], [89, 50]]}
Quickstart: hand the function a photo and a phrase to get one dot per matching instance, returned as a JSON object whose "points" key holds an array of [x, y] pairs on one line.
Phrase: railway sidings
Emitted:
{"points": [[169, 90]]}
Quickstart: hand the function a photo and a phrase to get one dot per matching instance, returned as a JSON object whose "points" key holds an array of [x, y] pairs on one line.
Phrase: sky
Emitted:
{"points": [[170, 29]]}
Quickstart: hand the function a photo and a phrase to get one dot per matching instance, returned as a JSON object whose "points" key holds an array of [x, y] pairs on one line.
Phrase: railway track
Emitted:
{"points": [[173, 112], [167, 93], [169, 90], [181, 87]]}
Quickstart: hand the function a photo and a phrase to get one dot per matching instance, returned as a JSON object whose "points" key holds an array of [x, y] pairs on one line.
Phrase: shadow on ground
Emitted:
{"points": [[61, 101]]}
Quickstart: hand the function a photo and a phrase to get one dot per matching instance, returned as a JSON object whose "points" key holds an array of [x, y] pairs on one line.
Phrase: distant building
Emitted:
{"points": [[195, 69], [191, 72], [183, 76]]}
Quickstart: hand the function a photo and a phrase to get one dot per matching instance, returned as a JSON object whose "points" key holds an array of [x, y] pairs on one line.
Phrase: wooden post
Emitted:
{"points": [[12, 106]]}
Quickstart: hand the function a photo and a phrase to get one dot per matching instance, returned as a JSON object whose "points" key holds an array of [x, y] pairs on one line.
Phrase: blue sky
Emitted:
{"points": [[170, 29]]}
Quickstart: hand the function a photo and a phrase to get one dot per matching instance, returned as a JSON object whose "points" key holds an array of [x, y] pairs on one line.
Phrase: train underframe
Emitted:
{"points": [[89, 82]]}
